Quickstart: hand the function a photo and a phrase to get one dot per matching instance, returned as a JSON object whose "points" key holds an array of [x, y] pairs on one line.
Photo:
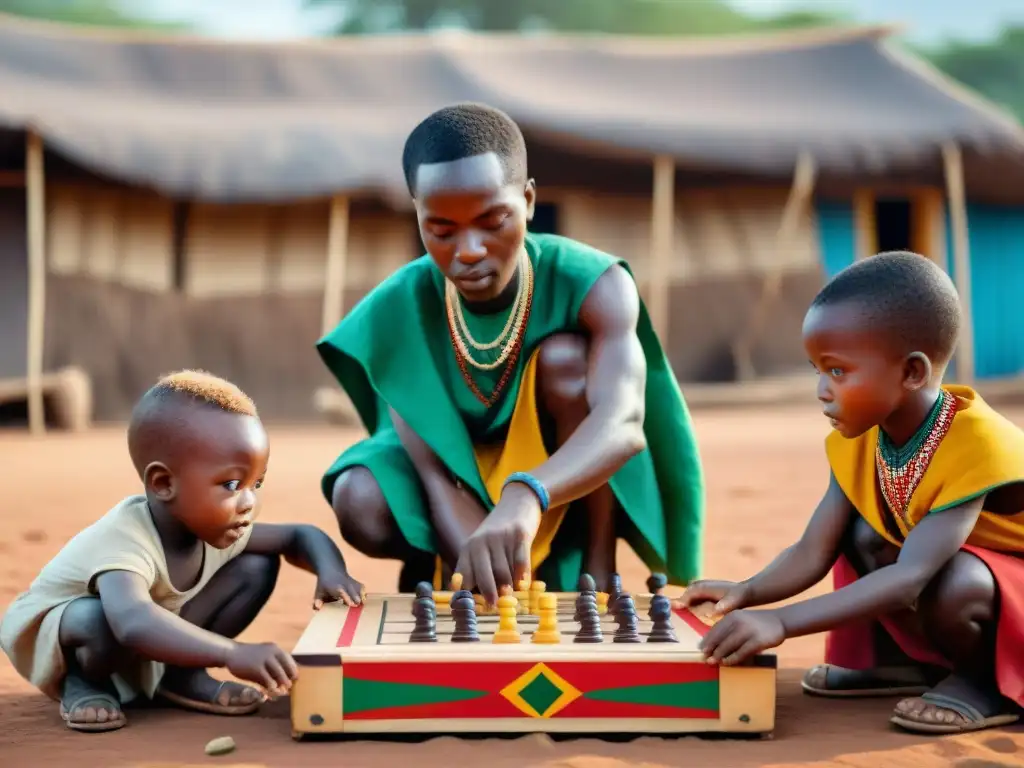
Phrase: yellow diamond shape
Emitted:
{"points": [[514, 691]]}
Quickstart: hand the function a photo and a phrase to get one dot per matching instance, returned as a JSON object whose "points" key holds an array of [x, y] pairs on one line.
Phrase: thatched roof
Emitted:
{"points": [[260, 121]]}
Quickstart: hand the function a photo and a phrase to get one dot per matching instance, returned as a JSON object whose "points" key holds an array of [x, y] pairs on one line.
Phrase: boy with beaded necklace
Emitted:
{"points": [[922, 522], [521, 412]]}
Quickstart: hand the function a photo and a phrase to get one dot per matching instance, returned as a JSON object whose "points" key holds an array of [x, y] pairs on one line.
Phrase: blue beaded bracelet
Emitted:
{"points": [[534, 485]]}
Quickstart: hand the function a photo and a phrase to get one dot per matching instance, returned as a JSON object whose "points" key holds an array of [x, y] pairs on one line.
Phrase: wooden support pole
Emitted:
{"points": [[337, 258], [954, 167], [799, 198], [663, 220], [35, 191]]}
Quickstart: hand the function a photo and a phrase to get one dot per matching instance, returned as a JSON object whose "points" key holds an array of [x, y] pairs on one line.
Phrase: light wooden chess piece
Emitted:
{"points": [[536, 590], [508, 629], [602, 603], [522, 594], [547, 627]]}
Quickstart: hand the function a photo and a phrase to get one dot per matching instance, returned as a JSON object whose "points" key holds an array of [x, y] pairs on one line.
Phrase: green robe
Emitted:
{"points": [[394, 349]]}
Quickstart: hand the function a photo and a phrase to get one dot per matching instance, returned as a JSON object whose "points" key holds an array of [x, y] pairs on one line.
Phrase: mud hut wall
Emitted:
{"points": [[725, 243]]}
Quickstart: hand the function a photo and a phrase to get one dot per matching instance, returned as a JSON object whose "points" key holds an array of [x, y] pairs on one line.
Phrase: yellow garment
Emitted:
{"points": [[522, 451], [982, 451]]}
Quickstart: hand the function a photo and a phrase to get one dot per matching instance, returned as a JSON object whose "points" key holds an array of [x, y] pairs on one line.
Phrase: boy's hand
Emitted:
{"points": [[727, 596], [264, 664], [741, 635], [334, 584]]}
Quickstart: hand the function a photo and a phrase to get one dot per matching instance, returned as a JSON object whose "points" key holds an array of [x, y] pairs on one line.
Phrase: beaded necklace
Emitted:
{"points": [[900, 469], [519, 317]]}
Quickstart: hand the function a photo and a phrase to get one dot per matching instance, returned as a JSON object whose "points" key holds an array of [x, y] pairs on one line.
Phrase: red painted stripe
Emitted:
{"points": [[695, 623], [476, 709], [493, 676], [616, 709], [470, 675], [348, 629]]}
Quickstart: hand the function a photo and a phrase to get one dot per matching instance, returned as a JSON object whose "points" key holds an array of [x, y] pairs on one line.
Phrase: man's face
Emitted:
{"points": [[472, 223]]}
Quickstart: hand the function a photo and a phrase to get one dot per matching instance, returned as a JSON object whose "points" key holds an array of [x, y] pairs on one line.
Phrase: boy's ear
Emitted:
{"points": [[917, 371], [530, 193], [160, 481]]}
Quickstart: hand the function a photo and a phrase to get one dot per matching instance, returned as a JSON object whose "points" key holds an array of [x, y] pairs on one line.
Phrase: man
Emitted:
{"points": [[522, 414]]}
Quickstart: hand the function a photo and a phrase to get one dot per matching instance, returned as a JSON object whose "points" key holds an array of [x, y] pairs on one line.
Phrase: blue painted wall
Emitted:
{"points": [[836, 234], [997, 287]]}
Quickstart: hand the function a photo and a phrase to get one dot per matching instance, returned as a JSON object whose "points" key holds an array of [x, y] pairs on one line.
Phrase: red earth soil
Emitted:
{"points": [[765, 471]]}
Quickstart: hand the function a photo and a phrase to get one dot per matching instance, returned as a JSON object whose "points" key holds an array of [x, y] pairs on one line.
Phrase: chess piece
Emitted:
{"points": [[590, 621], [536, 590], [587, 583], [614, 590], [602, 603], [614, 586], [508, 630], [660, 613], [464, 613], [425, 613], [547, 626], [625, 617], [656, 583], [586, 601], [615, 604], [522, 594]]}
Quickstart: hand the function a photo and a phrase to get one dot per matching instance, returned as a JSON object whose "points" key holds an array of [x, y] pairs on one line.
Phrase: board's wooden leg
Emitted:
{"points": [[316, 705], [746, 699]]}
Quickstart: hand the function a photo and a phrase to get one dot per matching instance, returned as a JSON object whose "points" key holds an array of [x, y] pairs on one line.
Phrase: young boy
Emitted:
{"points": [[923, 519], [147, 598], [521, 411]]}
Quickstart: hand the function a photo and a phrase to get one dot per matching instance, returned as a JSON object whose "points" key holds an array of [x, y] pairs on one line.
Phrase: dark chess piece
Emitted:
{"points": [[584, 603], [464, 613], [587, 583], [589, 619], [661, 614], [615, 604], [614, 590], [656, 582], [628, 624], [425, 612]]}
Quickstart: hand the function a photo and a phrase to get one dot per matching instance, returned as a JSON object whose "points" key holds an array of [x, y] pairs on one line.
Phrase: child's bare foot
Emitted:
{"points": [[195, 689], [85, 707], [839, 682]]}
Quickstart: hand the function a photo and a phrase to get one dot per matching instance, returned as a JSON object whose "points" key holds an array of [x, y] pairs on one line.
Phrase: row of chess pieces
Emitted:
{"points": [[590, 606]]}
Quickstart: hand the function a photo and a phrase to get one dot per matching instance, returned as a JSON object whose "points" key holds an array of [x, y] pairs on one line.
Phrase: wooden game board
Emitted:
{"points": [[359, 674]]}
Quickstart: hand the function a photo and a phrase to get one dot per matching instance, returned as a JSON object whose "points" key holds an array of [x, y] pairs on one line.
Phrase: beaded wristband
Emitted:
{"points": [[534, 485]]}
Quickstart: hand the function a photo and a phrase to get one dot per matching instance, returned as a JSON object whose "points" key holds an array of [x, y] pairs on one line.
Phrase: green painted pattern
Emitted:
{"points": [[541, 693], [696, 695], [364, 695]]}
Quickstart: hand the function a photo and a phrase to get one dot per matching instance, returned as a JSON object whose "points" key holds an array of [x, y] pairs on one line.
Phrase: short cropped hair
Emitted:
{"points": [[465, 130], [203, 388], [157, 418], [907, 296]]}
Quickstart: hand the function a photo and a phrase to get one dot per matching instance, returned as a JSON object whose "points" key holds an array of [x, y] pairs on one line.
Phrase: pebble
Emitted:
{"points": [[220, 746]]}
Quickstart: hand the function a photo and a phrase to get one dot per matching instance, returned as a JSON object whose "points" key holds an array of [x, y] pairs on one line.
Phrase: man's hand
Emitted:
{"points": [[741, 635], [727, 596], [497, 554], [333, 584]]}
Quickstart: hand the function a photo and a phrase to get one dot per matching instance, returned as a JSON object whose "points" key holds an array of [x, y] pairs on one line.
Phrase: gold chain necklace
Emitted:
{"points": [[452, 295], [517, 317]]}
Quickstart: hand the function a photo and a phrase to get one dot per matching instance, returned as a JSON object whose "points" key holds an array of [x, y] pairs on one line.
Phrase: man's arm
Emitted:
{"points": [[929, 546], [455, 512], [613, 431]]}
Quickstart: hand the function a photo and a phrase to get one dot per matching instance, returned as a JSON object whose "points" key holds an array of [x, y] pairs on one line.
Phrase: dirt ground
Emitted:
{"points": [[765, 472]]}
